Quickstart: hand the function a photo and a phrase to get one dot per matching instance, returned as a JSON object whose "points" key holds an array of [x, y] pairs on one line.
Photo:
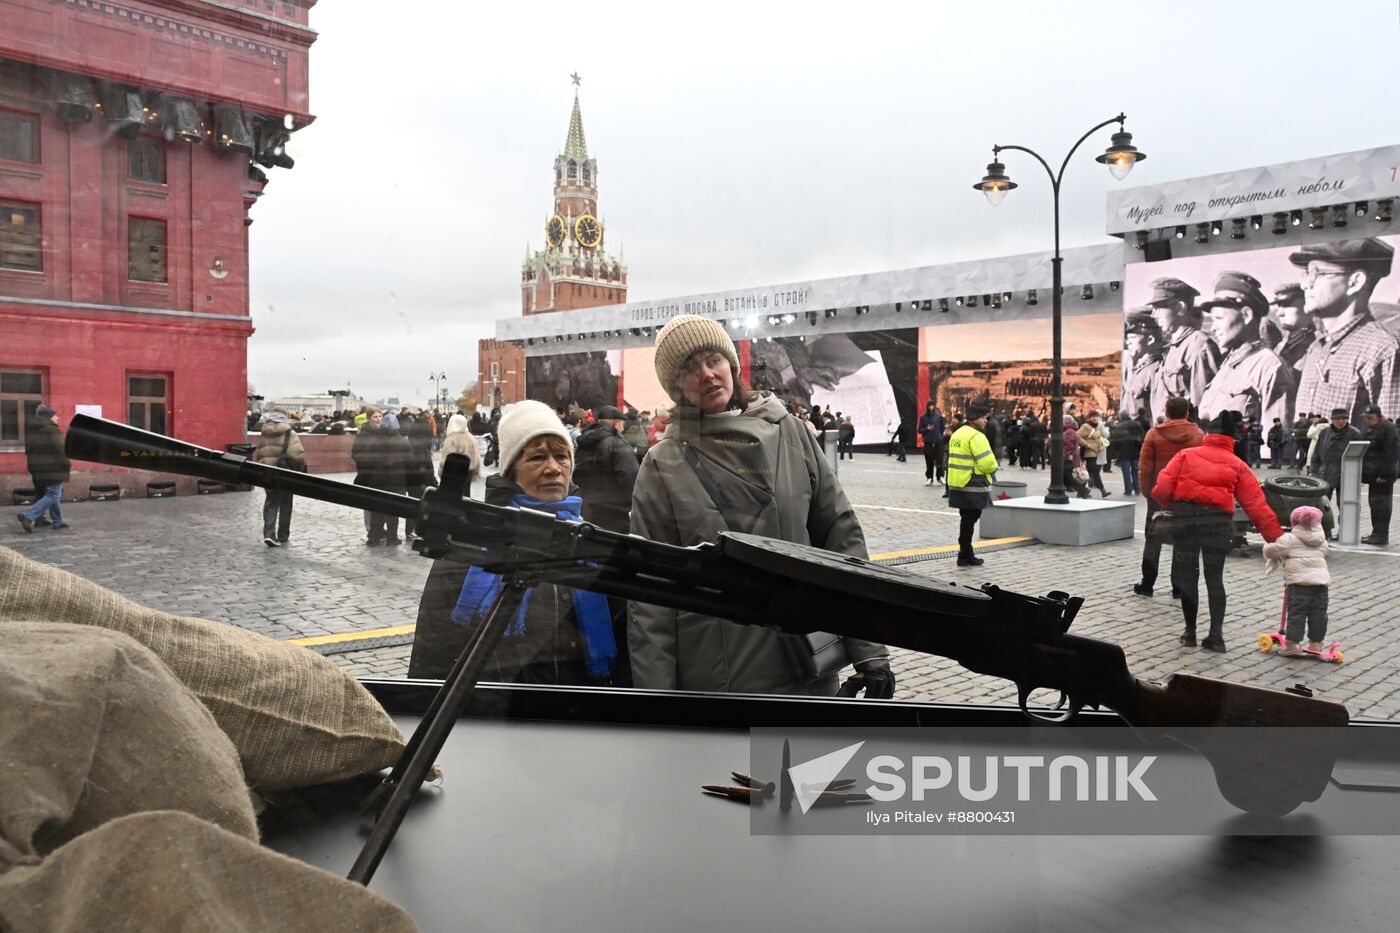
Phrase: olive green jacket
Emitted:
{"points": [[770, 469]]}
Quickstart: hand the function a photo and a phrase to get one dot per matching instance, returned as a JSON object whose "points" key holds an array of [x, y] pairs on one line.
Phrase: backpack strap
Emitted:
{"points": [[726, 510]]}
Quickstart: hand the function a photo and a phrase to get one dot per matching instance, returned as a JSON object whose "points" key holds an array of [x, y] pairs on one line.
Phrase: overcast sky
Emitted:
{"points": [[741, 144]]}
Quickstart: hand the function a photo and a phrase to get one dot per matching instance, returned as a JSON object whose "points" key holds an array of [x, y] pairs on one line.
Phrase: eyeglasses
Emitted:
{"points": [[1309, 275]]}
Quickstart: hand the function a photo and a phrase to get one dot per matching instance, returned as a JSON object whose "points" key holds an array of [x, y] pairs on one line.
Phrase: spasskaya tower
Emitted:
{"points": [[574, 270]]}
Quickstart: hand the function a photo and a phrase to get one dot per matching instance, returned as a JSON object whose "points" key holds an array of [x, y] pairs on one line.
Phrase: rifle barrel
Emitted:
{"points": [[103, 441]]}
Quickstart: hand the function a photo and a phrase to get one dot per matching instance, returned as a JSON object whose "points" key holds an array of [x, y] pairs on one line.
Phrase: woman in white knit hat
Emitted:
{"points": [[773, 480], [560, 635]]}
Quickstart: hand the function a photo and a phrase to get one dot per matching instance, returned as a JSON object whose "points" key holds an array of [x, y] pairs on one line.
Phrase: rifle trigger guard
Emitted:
{"points": [[1060, 714]]}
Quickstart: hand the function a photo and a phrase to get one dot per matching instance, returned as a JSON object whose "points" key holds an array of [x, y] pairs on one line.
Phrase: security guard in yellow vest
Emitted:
{"points": [[970, 463]]}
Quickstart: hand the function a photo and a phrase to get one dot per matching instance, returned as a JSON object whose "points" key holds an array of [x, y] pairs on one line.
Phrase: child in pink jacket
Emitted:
{"points": [[1303, 553]]}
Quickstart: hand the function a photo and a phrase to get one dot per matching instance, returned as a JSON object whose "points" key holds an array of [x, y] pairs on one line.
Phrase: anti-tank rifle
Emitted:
{"points": [[761, 581]]}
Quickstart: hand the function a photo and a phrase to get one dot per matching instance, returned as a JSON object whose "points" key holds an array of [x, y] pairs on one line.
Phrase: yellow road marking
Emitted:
{"points": [[946, 548], [353, 636]]}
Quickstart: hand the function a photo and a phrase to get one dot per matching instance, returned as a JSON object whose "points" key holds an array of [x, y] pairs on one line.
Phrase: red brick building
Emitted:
{"points": [[133, 138], [573, 271]]}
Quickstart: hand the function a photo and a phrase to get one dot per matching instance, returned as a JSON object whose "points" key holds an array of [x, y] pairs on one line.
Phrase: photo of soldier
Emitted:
{"points": [[569, 381], [1354, 361], [1296, 332], [1189, 359], [794, 369], [1250, 379], [1143, 338]]}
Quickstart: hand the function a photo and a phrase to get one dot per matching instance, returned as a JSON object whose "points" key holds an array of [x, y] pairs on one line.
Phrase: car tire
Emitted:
{"points": [[1298, 487]]}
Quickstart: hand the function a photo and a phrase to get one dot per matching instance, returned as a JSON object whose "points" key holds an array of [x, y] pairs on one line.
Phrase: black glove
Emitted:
{"points": [[879, 679]]}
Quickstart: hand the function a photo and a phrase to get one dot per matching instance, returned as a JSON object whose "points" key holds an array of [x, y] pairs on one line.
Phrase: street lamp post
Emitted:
{"points": [[438, 379], [1120, 157]]}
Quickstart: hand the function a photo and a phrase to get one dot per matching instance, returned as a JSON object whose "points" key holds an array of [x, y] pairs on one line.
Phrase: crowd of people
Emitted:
{"points": [[722, 457]]}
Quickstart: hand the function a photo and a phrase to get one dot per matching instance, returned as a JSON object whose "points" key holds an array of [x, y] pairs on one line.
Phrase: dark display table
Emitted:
{"points": [[597, 823]]}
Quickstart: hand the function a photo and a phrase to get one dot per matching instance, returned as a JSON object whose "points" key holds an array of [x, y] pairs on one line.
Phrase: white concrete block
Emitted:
{"points": [[1078, 522]]}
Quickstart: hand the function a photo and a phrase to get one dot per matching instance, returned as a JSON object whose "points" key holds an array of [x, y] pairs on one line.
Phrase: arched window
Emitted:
{"points": [[573, 169], [586, 173], [145, 160]]}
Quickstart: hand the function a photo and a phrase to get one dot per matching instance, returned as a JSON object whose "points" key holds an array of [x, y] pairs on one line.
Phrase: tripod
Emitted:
{"points": [[437, 722]]}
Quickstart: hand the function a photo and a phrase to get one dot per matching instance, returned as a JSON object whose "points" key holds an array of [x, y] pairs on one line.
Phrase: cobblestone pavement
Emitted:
{"points": [[203, 556]]}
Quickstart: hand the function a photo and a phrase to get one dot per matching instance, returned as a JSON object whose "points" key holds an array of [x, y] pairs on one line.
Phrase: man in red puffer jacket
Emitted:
{"points": [[1161, 444], [1201, 486]]}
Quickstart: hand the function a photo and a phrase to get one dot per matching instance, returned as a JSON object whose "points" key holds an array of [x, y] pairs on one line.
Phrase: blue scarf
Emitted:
{"points": [[591, 611]]}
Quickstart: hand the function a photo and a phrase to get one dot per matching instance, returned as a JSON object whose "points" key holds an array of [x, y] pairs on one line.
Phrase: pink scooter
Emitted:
{"points": [[1271, 640]]}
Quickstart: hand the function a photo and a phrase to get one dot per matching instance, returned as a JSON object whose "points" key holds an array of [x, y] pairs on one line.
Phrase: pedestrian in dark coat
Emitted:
{"points": [[1378, 471], [1125, 445], [605, 469], [1332, 442], [931, 432], [419, 472], [381, 458], [846, 439], [48, 469]]}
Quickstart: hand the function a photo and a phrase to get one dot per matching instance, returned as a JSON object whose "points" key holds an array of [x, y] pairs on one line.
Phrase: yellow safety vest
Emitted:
{"points": [[969, 455]]}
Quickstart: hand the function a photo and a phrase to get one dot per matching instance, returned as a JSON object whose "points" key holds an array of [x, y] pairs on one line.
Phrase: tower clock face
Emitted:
{"points": [[588, 230], [554, 231]]}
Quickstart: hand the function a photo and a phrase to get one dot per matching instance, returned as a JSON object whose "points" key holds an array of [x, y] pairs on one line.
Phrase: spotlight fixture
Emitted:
{"points": [[529, 341], [1295, 218], [1005, 296], [1339, 215], [811, 319], [943, 305], [928, 304], [1140, 240], [1114, 286], [972, 301], [1087, 293], [1031, 297], [789, 318], [1256, 221], [1202, 233], [1215, 228], [734, 324], [830, 313], [1383, 210], [996, 301], [1317, 218], [987, 300], [1280, 224], [1237, 229], [898, 307], [1362, 208], [960, 301], [1181, 233]]}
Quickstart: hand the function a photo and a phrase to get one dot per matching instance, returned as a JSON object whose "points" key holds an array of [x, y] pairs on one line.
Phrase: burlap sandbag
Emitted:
{"points": [[170, 871], [94, 727], [295, 717]]}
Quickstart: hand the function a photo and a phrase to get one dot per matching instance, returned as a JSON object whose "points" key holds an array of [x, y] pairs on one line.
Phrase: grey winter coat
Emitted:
{"points": [[769, 467]]}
